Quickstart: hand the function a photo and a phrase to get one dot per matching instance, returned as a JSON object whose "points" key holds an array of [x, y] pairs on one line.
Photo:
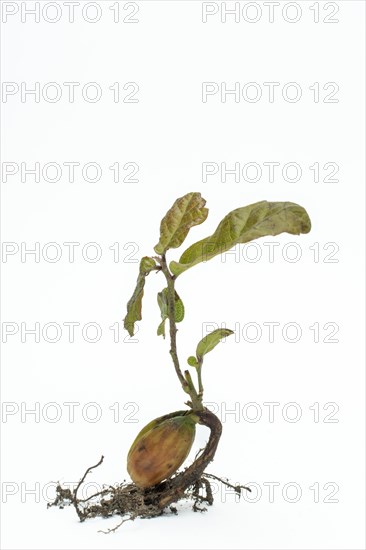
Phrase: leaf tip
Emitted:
{"points": [[306, 223], [129, 327], [158, 249]]}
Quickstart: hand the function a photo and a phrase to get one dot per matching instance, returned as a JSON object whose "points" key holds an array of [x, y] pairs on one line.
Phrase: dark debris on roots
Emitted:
{"points": [[128, 501]]}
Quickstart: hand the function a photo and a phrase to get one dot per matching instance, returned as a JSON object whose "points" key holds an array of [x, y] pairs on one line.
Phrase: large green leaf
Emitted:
{"points": [[211, 340], [164, 310], [243, 225], [186, 212], [134, 305]]}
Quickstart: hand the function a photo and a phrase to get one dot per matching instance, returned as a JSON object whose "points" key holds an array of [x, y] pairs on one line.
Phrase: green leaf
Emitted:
{"points": [[161, 328], [164, 310], [179, 309], [192, 361], [163, 305], [243, 225], [186, 212], [134, 305], [163, 302], [147, 264], [211, 340]]}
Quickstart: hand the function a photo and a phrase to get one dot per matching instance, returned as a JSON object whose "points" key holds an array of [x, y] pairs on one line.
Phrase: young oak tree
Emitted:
{"points": [[161, 447]]}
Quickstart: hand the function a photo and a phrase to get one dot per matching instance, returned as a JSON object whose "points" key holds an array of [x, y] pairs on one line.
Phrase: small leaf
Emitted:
{"points": [[163, 302], [192, 361], [134, 305], [186, 212], [211, 340], [147, 264], [179, 309], [161, 328], [163, 305], [243, 225], [164, 310]]}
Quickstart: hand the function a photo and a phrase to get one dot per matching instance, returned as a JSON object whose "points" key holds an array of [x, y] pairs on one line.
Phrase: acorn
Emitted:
{"points": [[160, 448]]}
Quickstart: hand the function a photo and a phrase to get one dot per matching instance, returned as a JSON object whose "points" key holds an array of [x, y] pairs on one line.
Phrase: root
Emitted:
{"points": [[130, 502]]}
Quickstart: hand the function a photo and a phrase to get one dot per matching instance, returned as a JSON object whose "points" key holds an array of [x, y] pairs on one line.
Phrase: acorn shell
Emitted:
{"points": [[160, 449]]}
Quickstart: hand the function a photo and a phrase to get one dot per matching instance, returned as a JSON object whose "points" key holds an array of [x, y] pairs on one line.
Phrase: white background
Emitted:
{"points": [[169, 133]]}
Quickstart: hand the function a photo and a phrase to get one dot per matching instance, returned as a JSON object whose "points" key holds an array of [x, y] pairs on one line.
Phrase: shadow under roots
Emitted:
{"points": [[131, 502]]}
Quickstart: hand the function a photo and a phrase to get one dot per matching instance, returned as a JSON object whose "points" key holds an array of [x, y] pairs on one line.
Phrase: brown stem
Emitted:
{"points": [[187, 384]]}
